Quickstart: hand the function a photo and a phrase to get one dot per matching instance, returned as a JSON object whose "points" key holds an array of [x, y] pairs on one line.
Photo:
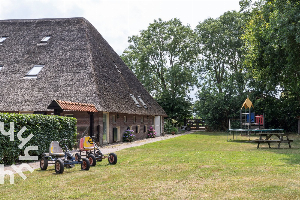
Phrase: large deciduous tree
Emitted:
{"points": [[272, 40], [221, 67], [163, 58], [272, 44]]}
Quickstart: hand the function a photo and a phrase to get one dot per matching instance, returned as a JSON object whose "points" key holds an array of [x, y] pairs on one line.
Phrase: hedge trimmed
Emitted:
{"points": [[45, 128]]}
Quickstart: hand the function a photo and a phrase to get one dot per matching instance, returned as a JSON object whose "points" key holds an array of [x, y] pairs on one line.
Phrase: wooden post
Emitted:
{"points": [[241, 123], [91, 123]]}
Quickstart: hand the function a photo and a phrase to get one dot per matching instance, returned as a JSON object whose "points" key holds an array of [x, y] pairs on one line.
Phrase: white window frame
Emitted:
{"points": [[45, 39], [135, 100], [34, 71], [2, 39]]}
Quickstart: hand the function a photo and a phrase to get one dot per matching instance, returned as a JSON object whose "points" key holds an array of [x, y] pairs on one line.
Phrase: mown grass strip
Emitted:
{"points": [[195, 166]]}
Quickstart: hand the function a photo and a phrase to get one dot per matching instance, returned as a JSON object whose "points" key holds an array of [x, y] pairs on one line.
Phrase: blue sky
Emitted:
{"points": [[116, 20]]}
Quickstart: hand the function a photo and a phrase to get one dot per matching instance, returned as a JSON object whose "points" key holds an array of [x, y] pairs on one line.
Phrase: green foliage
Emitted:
{"points": [[223, 80], [272, 58], [174, 130], [217, 109], [176, 107], [168, 125], [272, 38], [128, 136], [279, 113], [163, 58], [221, 59], [45, 129]]}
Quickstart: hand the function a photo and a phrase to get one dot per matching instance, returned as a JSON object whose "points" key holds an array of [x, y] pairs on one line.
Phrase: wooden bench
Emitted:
{"points": [[272, 141]]}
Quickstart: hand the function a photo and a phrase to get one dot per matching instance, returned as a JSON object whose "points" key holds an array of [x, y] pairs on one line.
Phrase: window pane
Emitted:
{"points": [[45, 39], [35, 70], [2, 38]]}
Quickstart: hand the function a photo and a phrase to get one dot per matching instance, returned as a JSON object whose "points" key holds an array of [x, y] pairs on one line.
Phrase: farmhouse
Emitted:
{"points": [[66, 66]]}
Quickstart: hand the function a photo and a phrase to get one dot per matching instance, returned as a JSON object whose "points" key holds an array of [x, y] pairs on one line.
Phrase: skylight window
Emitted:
{"points": [[3, 38], [135, 100], [1, 66], [34, 71], [141, 100], [45, 39]]}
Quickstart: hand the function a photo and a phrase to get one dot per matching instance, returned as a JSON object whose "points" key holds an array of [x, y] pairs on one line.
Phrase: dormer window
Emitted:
{"points": [[1, 66], [141, 100], [135, 100], [2, 38], [34, 71]]}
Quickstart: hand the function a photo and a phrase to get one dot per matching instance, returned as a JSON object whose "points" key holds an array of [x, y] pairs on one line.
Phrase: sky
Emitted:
{"points": [[116, 20]]}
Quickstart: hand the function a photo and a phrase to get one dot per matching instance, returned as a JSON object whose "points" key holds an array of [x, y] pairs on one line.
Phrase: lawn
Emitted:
{"points": [[194, 166]]}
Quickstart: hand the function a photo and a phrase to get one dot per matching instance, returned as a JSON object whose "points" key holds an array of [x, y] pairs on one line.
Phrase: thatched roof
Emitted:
{"points": [[76, 64]]}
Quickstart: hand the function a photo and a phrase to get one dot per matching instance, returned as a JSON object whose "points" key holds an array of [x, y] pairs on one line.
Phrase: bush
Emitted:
{"points": [[174, 130], [45, 129], [168, 125], [128, 136], [151, 133]]}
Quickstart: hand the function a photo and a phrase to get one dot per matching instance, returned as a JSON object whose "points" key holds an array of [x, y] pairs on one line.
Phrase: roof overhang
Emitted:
{"points": [[71, 106]]}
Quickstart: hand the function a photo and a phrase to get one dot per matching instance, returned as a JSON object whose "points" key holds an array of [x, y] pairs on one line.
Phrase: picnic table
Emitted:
{"points": [[265, 136], [279, 138]]}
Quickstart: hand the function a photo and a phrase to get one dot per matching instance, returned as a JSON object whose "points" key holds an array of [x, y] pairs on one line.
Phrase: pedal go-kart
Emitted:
{"points": [[61, 158], [92, 152]]}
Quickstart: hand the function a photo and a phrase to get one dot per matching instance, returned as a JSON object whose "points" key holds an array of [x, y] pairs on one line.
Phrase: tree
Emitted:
{"points": [[272, 38], [163, 58], [272, 44], [221, 68]]}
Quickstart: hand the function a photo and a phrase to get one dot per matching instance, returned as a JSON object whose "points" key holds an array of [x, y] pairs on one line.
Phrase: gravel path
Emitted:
{"points": [[112, 148]]}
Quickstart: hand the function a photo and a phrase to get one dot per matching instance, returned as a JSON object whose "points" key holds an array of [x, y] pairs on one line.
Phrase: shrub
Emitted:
{"points": [[45, 128], [174, 130], [151, 133], [128, 136]]}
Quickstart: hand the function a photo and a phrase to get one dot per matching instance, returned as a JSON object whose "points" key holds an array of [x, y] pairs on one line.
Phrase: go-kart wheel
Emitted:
{"points": [[59, 166], [44, 163], [77, 157], [85, 165], [112, 158], [99, 155], [92, 159]]}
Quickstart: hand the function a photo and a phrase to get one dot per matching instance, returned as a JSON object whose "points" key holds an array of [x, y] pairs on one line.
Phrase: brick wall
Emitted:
{"points": [[116, 120]]}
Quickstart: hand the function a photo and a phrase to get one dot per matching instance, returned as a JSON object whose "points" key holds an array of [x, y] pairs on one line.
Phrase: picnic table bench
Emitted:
{"points": [[265, 136], [279, 138]]}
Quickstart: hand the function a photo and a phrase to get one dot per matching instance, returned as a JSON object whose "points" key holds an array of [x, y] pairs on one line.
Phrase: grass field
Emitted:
{"points": [[194, 166]]}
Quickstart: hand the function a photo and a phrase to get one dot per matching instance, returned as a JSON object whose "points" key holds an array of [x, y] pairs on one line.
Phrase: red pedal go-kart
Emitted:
{"points": [[92, 152]]}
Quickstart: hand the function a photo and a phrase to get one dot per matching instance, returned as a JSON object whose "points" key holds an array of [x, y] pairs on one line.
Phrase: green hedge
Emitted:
{"points": [[45, 128]]}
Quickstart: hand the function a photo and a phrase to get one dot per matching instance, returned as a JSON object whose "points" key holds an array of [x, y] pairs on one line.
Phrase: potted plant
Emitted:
{"points": [[174, 130]]}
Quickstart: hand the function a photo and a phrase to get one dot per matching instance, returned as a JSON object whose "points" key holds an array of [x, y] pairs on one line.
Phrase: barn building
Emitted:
{"points": [[65, 67]]}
